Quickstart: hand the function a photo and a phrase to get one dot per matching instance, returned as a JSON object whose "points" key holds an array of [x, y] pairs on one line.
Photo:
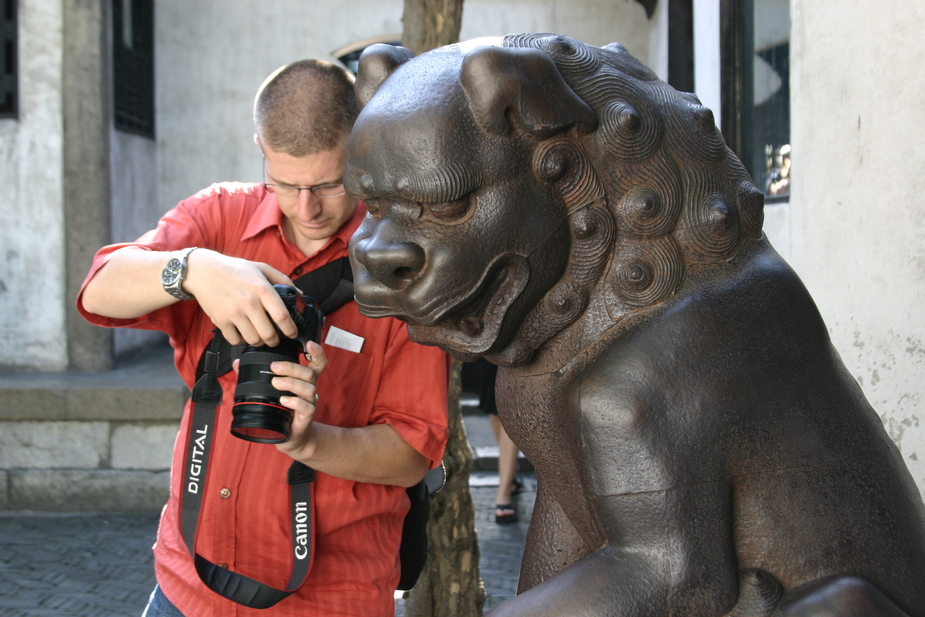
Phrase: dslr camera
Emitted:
{"points": [[257, 414]]}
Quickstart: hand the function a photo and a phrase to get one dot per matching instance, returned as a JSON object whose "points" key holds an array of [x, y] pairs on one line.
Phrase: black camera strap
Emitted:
{"points": [[332, 285], [207, 397]]}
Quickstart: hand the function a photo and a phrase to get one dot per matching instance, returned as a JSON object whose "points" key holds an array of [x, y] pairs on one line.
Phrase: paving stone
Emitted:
{"points": [[90, 565]]}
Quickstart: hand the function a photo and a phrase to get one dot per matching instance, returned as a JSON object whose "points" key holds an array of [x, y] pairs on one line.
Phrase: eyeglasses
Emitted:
{"points": [[321, 191]]}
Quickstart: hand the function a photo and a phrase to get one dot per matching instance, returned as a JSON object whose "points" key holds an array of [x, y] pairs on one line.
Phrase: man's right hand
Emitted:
{"points": [[239, 298], [236, 294]]}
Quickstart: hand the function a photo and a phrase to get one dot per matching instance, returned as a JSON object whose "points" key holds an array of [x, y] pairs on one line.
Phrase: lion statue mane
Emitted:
{"points": [[700, 448]]}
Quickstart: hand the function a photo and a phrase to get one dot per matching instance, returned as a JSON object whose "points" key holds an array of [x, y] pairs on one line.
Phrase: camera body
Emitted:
{"points": [[257, 414]]}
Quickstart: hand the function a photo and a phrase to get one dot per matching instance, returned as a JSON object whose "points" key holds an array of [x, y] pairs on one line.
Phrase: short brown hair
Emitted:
{"points": [[305, 107]]}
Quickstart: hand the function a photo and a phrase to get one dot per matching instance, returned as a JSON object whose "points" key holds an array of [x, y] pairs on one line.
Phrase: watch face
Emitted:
{"points": [[171, 271]]}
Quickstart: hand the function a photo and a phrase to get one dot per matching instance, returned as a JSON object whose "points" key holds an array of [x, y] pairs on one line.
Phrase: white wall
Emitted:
{"points": [[135, 209], [707, 82], [32, 278], [212, 57], [857, 211]]}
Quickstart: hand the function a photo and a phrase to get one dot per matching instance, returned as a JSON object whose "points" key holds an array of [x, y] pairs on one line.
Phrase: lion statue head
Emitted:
{"points": [[513, 183]]}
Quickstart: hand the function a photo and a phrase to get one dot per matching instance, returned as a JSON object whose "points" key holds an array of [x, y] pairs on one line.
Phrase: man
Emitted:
{"points": [[377, 420]]}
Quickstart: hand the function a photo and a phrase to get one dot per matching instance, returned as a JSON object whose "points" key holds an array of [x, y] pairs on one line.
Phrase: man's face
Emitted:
{"points": [[309, 221]]}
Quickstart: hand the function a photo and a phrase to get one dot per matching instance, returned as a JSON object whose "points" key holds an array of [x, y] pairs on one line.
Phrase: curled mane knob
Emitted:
{"points": [[648, 271]]}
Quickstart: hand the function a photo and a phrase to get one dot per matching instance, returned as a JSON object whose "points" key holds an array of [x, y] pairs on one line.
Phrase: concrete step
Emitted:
{"points": [[77, 442], [91, 442]]}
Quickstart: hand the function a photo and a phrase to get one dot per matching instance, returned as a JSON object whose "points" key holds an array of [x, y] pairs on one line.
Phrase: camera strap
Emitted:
{"points": [[206, 398], [332, 287]]}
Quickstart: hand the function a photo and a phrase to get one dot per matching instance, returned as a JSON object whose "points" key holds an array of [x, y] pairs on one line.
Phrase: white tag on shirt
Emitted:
{"points": [[344, 340]]}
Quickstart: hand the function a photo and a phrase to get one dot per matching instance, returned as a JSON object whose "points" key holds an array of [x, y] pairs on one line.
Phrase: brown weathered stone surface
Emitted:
{"points": [[699, 446]]}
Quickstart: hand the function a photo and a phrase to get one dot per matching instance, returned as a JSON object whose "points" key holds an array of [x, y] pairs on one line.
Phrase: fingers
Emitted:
{"points": [[274, 276], [295, 378], [300, 381], [314, 353], [250, 312], [239, 297], [303, 414], [273, 306]]}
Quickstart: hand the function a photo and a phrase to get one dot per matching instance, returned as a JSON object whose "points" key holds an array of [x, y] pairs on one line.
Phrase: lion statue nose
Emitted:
{"points": [[392, 262]]}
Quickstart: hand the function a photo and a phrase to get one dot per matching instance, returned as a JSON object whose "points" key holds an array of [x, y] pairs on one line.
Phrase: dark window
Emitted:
{"points": [[755, 58], [681, 44], [351, 60], [133, 65], [9, 82]]}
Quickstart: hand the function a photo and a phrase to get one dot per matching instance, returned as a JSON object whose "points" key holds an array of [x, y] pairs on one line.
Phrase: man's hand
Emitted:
{"points": [[300, 380], [239, 298], [236, 294], [374, 453]]}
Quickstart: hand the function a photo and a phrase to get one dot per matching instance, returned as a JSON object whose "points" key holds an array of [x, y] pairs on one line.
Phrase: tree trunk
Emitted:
{"points": [[429, 24], [450, 585]]}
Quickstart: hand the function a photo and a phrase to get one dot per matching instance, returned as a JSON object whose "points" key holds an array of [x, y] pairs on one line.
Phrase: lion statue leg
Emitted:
{"points": [[838, 596], [552, 542]]}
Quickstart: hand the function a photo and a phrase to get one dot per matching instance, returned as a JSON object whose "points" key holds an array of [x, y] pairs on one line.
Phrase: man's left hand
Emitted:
{"points": [[300, 381]]}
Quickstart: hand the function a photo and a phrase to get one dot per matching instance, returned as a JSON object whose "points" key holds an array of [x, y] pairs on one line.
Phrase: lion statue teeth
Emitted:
{"points": [[700, 447]]}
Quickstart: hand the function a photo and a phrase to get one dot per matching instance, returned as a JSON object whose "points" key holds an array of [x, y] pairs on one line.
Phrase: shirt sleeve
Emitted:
{"points": [[184, 226], [412, 394]]}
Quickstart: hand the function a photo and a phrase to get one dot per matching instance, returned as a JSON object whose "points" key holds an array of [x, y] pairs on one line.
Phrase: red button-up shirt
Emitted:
{"points": [[245, 511]]}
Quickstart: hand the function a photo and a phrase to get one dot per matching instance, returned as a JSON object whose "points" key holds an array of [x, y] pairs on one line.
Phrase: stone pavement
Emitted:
{"points": [[99, 565], [500, 546]]}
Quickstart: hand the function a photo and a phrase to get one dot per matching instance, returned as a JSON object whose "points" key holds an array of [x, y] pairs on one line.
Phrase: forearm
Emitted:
{"points": [[236, 294], [129, 285], [375, 453]]}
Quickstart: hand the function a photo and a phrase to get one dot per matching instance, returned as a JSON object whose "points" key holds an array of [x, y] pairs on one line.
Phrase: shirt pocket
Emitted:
{"points": [[345, 388]]}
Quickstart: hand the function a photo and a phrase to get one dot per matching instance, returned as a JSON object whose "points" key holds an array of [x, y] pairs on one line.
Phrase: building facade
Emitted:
{"points": [[821, 99]]}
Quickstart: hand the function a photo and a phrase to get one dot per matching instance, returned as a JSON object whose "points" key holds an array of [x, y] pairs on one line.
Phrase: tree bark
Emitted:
{"points": [[450, 585], [429, 24]]}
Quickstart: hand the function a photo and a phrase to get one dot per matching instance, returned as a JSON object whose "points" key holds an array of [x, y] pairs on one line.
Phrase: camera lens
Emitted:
{"points": [[257, 414]]}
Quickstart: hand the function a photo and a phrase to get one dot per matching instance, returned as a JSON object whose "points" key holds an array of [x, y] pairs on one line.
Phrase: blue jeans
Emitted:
{"points": [[160, 606]]}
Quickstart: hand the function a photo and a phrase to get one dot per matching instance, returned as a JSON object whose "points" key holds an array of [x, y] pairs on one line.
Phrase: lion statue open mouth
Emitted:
{"points": [[700, 448]]}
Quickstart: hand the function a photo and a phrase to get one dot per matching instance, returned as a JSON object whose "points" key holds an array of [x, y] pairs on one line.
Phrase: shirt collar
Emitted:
{"points": [[265, 216]]}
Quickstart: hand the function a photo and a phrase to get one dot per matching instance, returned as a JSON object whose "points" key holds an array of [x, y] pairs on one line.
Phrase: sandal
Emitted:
{"points": [[503, 519], [517, 485]]}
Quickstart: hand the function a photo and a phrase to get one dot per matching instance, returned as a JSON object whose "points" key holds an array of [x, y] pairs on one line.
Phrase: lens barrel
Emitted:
{"points": [[257, 414]]}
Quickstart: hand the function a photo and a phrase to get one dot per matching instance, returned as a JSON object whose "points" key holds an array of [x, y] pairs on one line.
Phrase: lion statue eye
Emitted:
{"points": [[449, 210]]}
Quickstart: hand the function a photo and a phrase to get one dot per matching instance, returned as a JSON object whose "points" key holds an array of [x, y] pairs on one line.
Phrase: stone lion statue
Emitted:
{"points": [[700, 448]]}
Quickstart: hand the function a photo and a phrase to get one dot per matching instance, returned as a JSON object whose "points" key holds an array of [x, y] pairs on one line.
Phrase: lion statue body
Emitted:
{"points": [[700, 448]]}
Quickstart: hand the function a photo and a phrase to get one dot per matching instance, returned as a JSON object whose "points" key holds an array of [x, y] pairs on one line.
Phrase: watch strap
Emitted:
{"points": [[175, 288]]}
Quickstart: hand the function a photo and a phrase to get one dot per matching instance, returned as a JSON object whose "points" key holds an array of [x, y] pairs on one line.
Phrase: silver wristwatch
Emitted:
{"points": [[174, 274]]}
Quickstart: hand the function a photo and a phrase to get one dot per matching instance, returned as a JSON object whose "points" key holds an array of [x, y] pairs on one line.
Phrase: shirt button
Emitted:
{"points": [[298, 271], [223, 566], [225, 493]]}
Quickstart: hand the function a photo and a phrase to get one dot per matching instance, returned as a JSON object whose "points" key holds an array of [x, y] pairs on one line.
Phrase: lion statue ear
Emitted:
{"points": [[376, 63], [525, 81]]}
